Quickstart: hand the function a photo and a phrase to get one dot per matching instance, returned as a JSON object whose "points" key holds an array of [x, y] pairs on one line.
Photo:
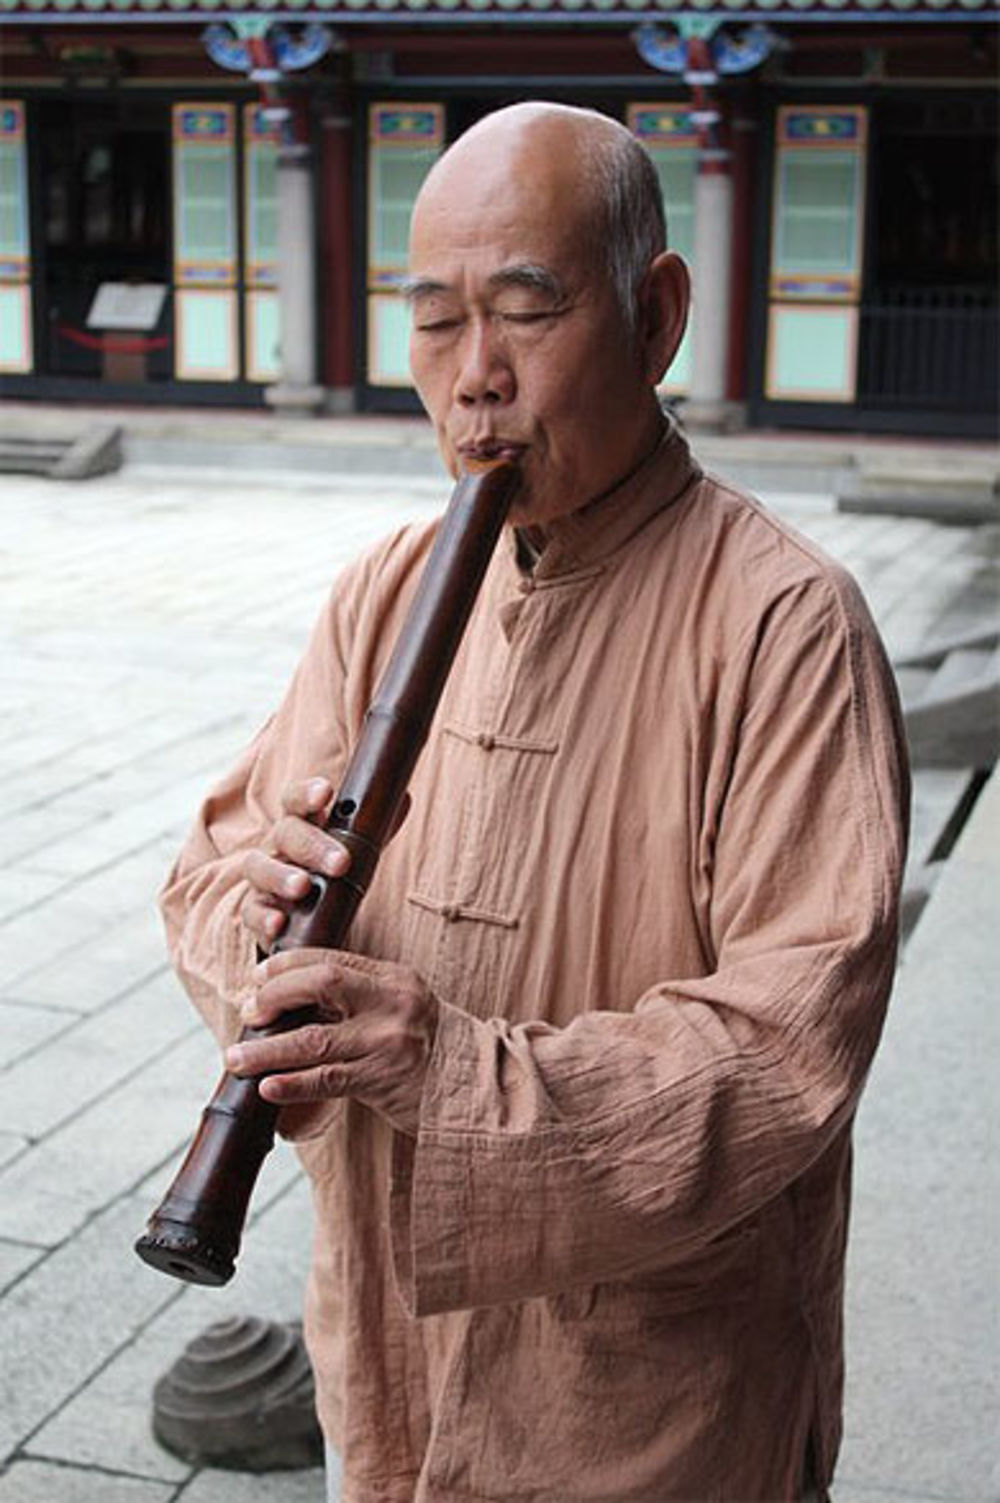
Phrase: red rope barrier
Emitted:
{"points": [[117, 344]]}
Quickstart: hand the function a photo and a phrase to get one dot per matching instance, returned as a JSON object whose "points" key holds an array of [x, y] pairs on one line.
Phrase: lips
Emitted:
{"points": [[492, 449]]}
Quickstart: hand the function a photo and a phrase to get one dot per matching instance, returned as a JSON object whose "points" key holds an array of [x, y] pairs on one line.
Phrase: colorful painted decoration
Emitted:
{"points": [[662, 125], [670, 51], [568, 11], [816, 126], [407, 125], [230, 45]]}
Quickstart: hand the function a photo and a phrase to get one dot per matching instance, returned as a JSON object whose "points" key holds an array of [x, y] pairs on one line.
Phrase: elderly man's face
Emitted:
{"points": [[518, 344]]}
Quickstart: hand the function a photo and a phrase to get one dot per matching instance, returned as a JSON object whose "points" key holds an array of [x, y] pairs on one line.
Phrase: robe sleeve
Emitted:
{"points": [[625, 1142], [310, 735]]}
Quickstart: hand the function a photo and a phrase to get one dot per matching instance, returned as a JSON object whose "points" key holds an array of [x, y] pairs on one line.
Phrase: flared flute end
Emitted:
{"points": [[175, 1252]]}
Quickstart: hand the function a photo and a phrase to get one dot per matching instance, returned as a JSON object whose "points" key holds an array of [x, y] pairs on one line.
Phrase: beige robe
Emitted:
{"points": [[651, 872]]}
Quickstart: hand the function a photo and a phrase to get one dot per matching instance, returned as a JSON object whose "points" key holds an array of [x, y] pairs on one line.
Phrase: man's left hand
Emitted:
{"points": [[372, 1038]]}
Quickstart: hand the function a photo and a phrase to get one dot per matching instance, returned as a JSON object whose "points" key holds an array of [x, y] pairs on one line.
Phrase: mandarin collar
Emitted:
{"points": [[584, 538]]}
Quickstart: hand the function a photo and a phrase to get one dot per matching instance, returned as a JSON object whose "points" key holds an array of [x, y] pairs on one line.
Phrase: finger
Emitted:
{"points": [[314, 978], [309, 987], [303, 1048], [275, 879], [264, 920], [336, 983], [318, 1084], [307, 798], [306, 845], [344, 965]]}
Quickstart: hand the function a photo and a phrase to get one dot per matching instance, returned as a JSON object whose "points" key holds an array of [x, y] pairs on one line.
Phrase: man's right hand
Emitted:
{"points": [[297, 845]]}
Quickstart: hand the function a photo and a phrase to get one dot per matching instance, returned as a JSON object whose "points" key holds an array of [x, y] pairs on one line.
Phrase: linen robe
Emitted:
{"points": [[651, 873]]}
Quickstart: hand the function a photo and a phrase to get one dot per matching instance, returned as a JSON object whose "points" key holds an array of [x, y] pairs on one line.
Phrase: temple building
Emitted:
{"points": [[207, 201]]}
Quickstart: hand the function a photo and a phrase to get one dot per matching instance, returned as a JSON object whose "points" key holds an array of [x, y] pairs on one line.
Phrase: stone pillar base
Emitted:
{"points": [[712, 417], [341, 401], [241, 1397], [294, 400]]}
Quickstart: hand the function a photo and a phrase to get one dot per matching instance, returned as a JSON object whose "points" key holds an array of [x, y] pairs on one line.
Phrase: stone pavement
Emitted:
{"points": [[148, 621]]}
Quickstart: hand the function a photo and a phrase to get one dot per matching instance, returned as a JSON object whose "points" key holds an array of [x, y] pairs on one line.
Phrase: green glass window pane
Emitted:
{"points": [[10, 172], [266, 237], [818, 207], [680, 231], [14, 352], [394, 342], [206, 232], [206, 335], [263, 206], [206, 229], [265, 172], [401, 173], [265, 356], [389, 354], [818, 244], [13, 208], [813, 354], [678, 378], [826, 182], [394, 224], [205, 174], [675, 167], [397, 174]]}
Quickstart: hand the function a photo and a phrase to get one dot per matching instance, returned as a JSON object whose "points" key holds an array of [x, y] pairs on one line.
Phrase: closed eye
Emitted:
{"points": [[436, 325], [536, 316]]}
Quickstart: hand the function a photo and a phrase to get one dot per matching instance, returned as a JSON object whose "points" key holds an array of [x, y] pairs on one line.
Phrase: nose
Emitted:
{"points": [[485, 373]]}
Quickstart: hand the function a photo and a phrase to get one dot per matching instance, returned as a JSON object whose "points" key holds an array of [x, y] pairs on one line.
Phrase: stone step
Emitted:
{"points": [[912, 680], [30, 456], [943, 798], [937, 793], [94, 452], [954, 495], [961, 670], [935, 651], [956, 720]]}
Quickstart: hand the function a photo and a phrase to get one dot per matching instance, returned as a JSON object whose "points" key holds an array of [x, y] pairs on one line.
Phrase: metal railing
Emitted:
{"points": [[930, 347]]}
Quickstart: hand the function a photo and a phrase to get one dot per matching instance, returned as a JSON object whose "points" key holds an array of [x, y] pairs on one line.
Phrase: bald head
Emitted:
{"points": [[587, 164]]}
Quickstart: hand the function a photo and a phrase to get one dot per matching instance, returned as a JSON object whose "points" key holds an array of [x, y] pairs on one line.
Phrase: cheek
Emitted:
{"points": [[431, 388]]}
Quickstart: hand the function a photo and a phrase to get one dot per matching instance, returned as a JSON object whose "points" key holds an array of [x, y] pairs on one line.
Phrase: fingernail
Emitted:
{"points": [[235, 1057], [316, 789], [335, 861]]}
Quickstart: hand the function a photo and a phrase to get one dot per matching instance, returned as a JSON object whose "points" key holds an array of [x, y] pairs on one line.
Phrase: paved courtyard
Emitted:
{"points": [[147, 622]]}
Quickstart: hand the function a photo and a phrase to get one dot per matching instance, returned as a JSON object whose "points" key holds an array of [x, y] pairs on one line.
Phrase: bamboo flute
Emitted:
{"points": [[195, 1232]]}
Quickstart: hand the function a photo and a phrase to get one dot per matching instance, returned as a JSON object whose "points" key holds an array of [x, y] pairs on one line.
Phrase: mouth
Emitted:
{"points": [[491, 450]]}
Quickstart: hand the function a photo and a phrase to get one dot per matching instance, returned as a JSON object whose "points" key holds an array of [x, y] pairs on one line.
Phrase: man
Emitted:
{"points": [[578, 1110]]}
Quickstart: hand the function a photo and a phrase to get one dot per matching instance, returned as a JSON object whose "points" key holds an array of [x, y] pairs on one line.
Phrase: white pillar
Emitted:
{"points": [[711, 292], [297, 390]]}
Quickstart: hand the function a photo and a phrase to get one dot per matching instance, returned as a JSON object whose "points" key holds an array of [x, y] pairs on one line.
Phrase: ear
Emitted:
{"points": [[664, 300]]}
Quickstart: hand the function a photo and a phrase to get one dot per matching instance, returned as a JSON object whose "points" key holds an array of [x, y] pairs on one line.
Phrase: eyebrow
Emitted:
{"points": [[413, 288], [530, 276], [523, 274]]}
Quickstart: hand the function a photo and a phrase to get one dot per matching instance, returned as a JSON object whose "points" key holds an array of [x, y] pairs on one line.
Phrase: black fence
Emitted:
{"points": [[934, 347]]}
